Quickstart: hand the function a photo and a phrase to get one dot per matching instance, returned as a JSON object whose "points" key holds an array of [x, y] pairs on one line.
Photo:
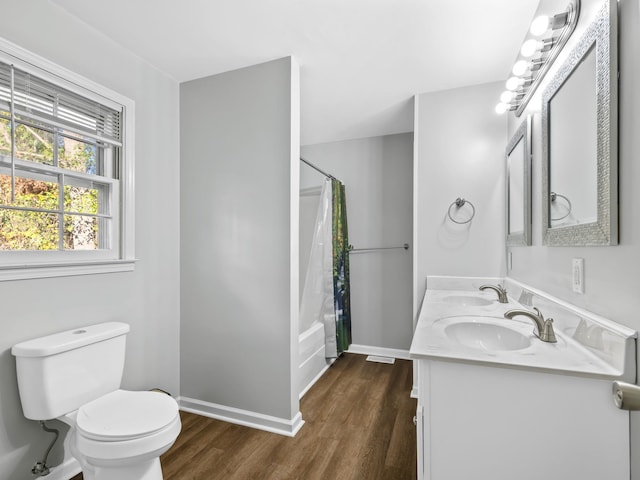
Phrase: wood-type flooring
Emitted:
{"points": [[358, 426]]}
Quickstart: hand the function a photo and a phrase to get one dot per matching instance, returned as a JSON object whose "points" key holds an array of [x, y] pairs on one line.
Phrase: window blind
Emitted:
{"points": [[37, 100]]}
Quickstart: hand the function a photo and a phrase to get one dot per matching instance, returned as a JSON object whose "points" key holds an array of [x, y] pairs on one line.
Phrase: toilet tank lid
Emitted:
{"points": [[69, 340]]}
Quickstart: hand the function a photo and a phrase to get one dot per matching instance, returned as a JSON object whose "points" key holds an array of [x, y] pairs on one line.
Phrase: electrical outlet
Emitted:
{"points": [[509, 261], [578, 275]]}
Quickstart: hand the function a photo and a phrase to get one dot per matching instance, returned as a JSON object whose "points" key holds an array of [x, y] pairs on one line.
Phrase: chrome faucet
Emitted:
{"points": [[544, 328], [499, 289]]}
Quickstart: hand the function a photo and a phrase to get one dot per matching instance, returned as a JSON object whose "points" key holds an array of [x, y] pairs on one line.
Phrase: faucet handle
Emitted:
{"points": [[547, 334], [502, 293]]}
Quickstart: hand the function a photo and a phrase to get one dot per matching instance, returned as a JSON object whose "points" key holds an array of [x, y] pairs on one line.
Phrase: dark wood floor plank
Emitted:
{"points": [[192, 430], [403, 443], [189, 451], [358, 426], [319, 463]]}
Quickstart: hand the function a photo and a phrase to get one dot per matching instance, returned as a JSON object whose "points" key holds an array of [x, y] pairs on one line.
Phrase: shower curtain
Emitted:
{"points": [[325, 297], [341, 283]]}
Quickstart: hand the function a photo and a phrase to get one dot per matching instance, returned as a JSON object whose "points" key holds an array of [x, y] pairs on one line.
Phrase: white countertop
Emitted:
{"points": [[585, 346]]}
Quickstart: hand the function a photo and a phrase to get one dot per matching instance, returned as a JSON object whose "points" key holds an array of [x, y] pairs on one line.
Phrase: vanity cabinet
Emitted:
{"points": [[496, 402], [479, 421]]}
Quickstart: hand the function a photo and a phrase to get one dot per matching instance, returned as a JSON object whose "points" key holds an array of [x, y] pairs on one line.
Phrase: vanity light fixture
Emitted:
{"points": [[520, 68], [533, 45], [543, 23], [547, 36]]}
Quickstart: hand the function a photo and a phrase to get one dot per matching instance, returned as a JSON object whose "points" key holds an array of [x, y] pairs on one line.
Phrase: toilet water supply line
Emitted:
{"points": [[40, 468]]}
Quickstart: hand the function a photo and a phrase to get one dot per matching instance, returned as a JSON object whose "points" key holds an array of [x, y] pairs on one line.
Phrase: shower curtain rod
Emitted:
{"points": [[317, 169]]}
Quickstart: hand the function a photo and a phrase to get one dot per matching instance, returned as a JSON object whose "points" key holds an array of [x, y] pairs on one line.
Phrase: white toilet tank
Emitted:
{"points": [[61, 372]]}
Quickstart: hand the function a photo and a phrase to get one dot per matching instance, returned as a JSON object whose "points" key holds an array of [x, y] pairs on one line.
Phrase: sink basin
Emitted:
{"points": [[450, 331], [469, 300], [486, 336]]}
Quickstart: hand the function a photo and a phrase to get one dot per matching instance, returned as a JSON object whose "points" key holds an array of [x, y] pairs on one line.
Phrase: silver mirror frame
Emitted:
{"points": [[604, 231], [523, 133]]}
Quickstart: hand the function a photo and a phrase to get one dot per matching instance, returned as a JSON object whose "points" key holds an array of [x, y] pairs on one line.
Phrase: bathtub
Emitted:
{"points": [[311, 360]]}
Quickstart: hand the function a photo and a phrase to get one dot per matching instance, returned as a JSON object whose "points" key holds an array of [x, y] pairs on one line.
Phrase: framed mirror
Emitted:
{"points": [[579, 140], [518, 162]]}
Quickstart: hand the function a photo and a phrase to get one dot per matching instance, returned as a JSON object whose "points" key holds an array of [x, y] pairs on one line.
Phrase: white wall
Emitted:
{"points": [[148, 298], [377, 173], [611, 281], [239, 239], [459, 152]]}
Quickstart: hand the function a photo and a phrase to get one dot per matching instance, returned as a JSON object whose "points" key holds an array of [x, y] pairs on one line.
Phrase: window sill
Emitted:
{"points": [[26, 272]]}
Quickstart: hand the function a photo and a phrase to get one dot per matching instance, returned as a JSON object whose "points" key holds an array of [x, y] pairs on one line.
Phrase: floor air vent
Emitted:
{"points": [[376, 358]]}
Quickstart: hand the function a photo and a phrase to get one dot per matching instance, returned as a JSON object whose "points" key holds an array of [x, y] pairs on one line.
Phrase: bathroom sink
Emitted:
{"points": [[451, 328], [486, 334], [467, 300]]}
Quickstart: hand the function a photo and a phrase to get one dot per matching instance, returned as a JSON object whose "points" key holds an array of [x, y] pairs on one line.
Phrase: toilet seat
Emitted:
{"points": [[125, 415], [126, 427]]}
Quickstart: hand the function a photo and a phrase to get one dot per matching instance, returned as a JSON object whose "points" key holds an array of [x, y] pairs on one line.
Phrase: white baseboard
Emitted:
{"points": [[379, 351], [281, 426], [64, 471]]}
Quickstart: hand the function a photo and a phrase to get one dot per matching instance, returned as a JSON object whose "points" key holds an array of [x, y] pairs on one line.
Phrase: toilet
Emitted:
{"points": [[74, 376]]}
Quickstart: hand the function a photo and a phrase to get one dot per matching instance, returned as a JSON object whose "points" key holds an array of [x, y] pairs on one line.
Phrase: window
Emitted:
{"points": [[65, 172]]}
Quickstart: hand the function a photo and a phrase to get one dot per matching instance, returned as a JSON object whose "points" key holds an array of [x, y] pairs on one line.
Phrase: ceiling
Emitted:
{"points": [[361, 61]]}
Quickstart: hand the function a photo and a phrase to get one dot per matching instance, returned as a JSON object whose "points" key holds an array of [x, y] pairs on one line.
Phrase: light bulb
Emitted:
{"points": [[520, 67], [501, 108], [507, 96], [539, 25], [513, 83], [530, 47]]}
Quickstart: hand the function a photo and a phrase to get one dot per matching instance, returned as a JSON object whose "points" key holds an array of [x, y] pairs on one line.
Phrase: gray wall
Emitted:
{"points": [[148, 298], [459, 152], [377, 173], [611, 280], [239, 259]]}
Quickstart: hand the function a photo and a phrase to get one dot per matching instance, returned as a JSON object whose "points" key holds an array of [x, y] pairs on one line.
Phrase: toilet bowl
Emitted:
{"points": [[74, 376], [121, 435]]}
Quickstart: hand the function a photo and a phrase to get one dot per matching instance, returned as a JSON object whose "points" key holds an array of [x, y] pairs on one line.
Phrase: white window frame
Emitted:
{"points": [[18, 265]]}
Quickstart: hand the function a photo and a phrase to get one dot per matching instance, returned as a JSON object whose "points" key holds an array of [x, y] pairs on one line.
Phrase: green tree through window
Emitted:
{"points": [[47, 226]]}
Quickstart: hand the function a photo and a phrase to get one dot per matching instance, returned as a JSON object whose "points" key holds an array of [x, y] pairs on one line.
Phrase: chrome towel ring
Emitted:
{"points": [[554, 196], [459, 203]]}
